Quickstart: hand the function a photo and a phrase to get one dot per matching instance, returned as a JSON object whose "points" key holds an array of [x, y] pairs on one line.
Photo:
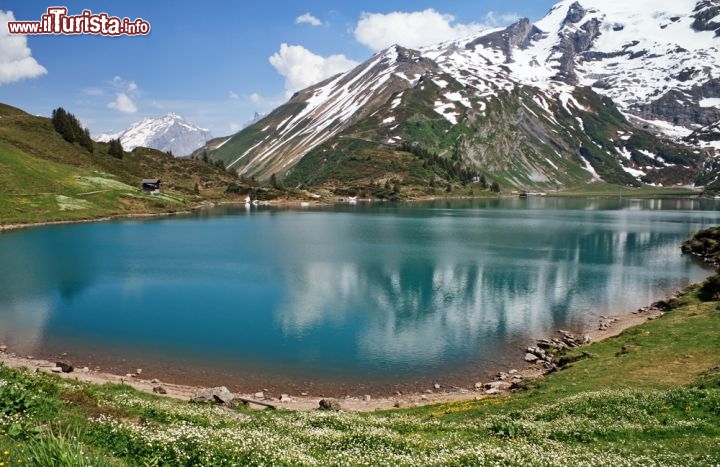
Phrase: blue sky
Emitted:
{"points": [[217, 62]]}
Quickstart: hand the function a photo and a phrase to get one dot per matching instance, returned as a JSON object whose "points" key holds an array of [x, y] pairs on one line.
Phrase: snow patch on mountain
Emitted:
{"points": [[330, 105], [713, 102]]}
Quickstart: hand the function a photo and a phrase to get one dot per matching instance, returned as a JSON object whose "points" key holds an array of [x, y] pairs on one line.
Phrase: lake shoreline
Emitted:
{"points": [[21, 226], [608, 328], [304, 203]]}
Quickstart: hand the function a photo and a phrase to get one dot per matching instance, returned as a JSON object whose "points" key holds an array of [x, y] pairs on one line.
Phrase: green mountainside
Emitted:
{"points": [[45, 178], [520, 138], [590, 93]]}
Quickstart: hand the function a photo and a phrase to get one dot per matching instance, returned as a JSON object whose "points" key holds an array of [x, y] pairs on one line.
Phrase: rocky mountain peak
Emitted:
{"points": [[575, 13], [517, 36], [707, 16], [575, 41]]}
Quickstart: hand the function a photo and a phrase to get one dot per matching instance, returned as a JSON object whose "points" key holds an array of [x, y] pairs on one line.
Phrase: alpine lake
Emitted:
{"points": [[370, 297]]}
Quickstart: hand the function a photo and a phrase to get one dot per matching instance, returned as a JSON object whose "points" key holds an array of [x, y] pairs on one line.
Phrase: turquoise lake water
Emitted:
{"points": [[337, 298]]}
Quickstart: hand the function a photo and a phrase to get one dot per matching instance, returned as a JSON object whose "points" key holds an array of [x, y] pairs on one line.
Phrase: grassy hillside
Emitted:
{"points": [[45, 178], [370, 170], [651, 396]]}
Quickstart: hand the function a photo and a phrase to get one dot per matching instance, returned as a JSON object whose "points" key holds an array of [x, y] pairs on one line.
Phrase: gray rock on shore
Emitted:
{"points": [[499, 385], [330, 404], [219, 395], [64, 367]]}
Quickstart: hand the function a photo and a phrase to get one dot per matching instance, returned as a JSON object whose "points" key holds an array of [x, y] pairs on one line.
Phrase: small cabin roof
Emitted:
{"points": [[151, 181]]}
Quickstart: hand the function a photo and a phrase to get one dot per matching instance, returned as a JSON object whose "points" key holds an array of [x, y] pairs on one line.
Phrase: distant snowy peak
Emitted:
{"points": [[107, 136], [167, 133]]}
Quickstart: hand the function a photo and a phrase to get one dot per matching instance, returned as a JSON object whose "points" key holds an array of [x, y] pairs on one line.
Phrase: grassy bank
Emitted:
{"points": [[649, 396], [645, 191]]}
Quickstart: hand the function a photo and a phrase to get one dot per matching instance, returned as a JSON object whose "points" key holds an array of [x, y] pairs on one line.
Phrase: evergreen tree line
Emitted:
{"points": [[70, 129], [454, 168], [219, 163]]}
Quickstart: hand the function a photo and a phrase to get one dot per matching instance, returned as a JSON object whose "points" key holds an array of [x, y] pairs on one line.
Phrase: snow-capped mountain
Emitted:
{"points": [[656, 59], [167, 133], [583, 94]]}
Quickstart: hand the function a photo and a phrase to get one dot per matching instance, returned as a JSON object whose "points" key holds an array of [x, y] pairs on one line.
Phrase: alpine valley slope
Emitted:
{"points": [[169, 133], [45, 178], [623, 92]]}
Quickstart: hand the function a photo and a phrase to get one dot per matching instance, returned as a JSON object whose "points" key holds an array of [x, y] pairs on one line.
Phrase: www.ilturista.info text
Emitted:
{"points": [[57, 21]]}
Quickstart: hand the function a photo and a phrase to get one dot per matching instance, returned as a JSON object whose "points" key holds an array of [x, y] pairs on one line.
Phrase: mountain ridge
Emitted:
{"points": [[497, 101]]}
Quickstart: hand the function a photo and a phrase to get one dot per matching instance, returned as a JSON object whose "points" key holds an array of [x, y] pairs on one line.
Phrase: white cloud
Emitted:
{"points": [[125, 92], [234, 127], [494, 19], [411, 29], [256, 98], [123, 85], [16, 61], [302, 68], [123, 103], [307, 18], [233, 95]]}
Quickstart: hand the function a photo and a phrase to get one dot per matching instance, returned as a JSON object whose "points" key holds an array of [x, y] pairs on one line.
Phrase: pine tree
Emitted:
{"points": [[69, 127], [86, 141], [115, 148]]}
